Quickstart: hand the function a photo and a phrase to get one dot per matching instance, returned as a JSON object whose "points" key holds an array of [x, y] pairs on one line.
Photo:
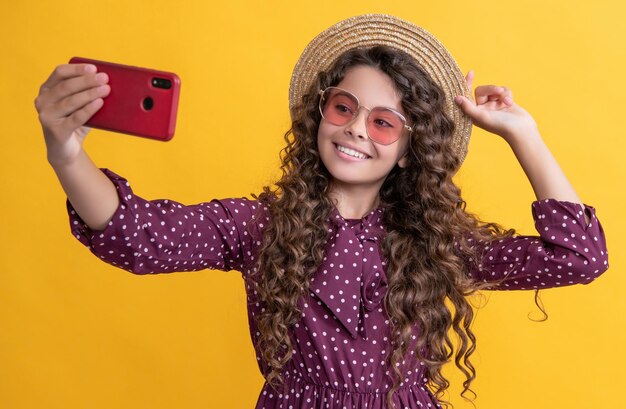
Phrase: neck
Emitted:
{"points": [[354, 201]]}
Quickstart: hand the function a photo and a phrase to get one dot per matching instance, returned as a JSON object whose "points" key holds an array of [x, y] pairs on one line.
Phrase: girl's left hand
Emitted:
{"points": [[495, 111]]}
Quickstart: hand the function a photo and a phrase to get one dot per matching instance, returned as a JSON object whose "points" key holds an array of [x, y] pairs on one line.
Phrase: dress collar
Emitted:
{"points": [[372, 220], [351, 280]]}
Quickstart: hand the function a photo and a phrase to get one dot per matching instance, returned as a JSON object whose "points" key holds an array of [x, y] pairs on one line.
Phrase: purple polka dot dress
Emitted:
{"points": [[340, 344]]}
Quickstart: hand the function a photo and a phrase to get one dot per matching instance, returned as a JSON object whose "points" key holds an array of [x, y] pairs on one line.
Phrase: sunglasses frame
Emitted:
{"points": [[356, 113]]}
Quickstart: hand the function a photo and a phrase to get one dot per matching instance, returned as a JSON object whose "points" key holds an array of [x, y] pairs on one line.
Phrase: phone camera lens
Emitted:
{"points": [[148, 103], [162, 83]]}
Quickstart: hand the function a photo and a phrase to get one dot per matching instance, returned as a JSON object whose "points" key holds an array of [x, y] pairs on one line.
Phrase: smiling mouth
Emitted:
{"points": [[351, 152]]}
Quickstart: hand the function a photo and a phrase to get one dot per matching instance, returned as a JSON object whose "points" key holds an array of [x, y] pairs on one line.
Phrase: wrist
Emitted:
{"points": [[65, 160], [61, 154], [524, 137]]}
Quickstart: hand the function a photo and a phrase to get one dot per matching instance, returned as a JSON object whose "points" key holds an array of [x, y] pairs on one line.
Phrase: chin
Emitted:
{"points": [[350, 178]]}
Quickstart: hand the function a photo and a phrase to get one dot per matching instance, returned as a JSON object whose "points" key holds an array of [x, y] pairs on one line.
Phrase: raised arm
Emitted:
{"points": [[162, 235], [66, 100], [91, 193], [567, 251], [571, 246], [542, 169], [495, 111]]}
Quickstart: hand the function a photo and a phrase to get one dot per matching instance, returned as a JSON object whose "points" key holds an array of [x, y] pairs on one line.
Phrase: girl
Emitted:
{"points": [[349, 261]]}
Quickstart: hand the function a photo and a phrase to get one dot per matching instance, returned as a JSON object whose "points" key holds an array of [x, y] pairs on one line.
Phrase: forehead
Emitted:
{"points": [[372, 87]]}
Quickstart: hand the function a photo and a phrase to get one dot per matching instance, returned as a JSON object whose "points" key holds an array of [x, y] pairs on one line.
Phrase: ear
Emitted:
{"points": [[403, 161]]}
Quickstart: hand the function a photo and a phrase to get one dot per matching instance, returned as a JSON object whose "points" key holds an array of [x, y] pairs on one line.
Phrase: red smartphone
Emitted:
{"points": [[142, 101]]}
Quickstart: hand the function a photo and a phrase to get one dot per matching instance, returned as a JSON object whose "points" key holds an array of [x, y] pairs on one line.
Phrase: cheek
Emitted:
{"points": [[324, 130], [404, 147], [324, 134], [391, 153], [322, 143]]}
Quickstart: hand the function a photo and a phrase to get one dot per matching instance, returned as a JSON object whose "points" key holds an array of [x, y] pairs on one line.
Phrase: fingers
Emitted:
{"points": [[468, 107], [59, 129], [486, 93], [68, 79], [71, 92], [64, 71], [70, 104], [502, 96], [74, 85], [79, 117], [508, 96], [69, 97]]}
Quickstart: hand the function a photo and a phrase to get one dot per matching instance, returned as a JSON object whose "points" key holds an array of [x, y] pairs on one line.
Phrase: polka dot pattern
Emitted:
{"points": [[352, 280], [341, 343], [570, 249]]}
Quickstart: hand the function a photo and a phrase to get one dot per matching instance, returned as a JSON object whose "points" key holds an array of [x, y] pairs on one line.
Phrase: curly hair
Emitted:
{"points": [[428, 244]]}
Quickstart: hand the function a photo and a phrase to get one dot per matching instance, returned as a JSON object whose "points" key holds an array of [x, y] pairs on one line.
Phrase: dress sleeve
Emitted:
{"points": [[567, 251], [159, 236]]}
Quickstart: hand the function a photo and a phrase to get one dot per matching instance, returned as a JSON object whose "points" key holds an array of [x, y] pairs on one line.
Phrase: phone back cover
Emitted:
{"points": [[124, 109]]}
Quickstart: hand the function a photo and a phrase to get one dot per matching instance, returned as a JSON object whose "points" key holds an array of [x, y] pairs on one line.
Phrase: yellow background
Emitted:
{"points": [[78, 333]]}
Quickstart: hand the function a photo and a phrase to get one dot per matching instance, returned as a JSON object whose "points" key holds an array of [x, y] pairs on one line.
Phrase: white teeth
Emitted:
{"points": [[351, 152]]}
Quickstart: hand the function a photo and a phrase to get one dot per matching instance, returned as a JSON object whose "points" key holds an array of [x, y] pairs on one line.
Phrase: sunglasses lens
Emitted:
{"points": [[384, 126], [338, 107]]}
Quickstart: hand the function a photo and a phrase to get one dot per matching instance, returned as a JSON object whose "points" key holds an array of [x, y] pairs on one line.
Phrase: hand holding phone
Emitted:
{"points": [[67, 99], [142, 101]]}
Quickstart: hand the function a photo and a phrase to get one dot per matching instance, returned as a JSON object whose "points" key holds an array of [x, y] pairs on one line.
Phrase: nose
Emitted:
{"points": [[358, 125]]}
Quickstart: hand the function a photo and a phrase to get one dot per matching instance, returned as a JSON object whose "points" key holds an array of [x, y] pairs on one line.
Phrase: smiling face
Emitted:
{"points": [[350, 168]]}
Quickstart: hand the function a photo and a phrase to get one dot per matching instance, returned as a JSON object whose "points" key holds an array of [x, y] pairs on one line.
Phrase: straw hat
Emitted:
{"points": [[374, 29]]}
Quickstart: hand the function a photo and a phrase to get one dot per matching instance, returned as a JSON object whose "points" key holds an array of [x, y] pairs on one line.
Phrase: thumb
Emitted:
{"points": [[468, 107]]}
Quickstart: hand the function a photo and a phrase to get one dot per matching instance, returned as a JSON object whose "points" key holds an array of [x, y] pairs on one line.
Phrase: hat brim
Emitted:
{"points": [[381, 29]]}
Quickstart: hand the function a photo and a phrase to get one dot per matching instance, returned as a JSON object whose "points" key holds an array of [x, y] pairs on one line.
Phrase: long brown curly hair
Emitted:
{"points": [[428, 244]]}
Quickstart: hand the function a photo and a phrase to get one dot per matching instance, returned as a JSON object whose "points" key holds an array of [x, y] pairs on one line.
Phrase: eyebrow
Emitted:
{"points": [[344, 91]]}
